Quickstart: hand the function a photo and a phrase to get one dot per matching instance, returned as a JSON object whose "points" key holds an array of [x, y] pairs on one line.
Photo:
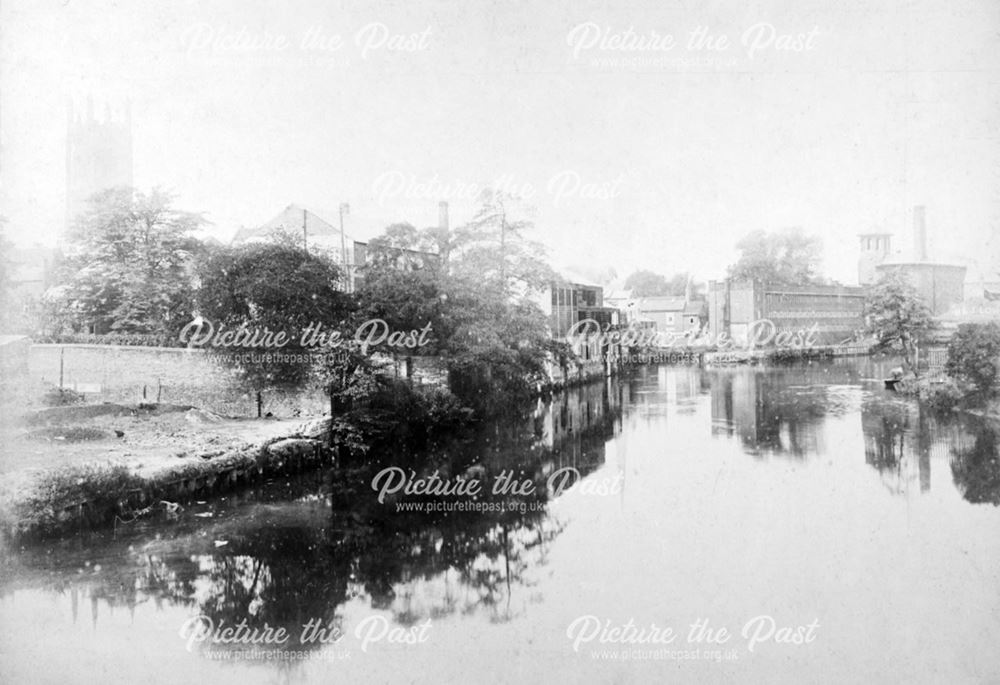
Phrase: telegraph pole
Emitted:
{"points": [[344, 209], [305, 238]]}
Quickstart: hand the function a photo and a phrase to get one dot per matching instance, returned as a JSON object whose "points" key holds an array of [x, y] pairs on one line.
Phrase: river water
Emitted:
{"points": [[793, 524]]}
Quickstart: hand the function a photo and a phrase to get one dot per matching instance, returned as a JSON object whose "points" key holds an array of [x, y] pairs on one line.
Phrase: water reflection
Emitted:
{"points": [[323, 548], [781, 411], [298, 551], [975, 465]]}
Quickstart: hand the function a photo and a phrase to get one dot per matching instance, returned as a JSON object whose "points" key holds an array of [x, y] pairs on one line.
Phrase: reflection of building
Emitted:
{"points": [[98, 155], [577, 422], [766, 413], [835, 310]]}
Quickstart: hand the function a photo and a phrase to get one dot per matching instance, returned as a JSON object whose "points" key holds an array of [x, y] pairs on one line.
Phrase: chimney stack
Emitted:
{"points": [[920, 233], [443, 215]]}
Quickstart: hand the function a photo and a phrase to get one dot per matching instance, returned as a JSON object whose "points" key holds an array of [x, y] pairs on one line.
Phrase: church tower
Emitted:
{"points": [[98, 154]]}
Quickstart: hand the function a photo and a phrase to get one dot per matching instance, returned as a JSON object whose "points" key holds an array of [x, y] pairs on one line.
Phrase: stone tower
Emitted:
{"points": [[875, 248], [98, 154]]}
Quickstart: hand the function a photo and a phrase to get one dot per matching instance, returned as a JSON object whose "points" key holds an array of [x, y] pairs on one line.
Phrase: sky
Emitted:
{"points": [[643, 135]]}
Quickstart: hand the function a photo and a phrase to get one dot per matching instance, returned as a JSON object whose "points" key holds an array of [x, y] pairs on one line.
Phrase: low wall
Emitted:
{"points": [[114, 373]]}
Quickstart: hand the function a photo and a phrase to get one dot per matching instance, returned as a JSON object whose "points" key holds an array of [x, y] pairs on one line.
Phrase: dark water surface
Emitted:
{"points": [[837, 530]]}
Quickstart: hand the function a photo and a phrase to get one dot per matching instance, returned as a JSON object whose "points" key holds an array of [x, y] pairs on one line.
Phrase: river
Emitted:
{"points": [[790, 524]]}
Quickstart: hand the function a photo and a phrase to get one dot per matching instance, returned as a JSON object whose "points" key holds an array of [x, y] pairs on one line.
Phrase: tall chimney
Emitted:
{"points": [[920, 232], [443, 215]]}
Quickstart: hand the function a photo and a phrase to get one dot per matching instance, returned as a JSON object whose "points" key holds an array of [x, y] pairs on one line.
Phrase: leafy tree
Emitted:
{"points": [[647, 284], [786, 257], [130, 264], [402, 246], [493, 248], [898, 317], [974, 356], [281, 287], [475, 295], [407, 299]]}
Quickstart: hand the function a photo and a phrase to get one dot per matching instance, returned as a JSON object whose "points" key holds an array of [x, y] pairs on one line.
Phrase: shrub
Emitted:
{"points": [[974, 356], [61, 397], [940, 396]]}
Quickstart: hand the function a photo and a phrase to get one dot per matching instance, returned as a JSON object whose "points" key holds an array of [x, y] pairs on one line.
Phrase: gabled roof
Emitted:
{"points": [[661, 303], [696, 308], [290, 219], [319, 224]]}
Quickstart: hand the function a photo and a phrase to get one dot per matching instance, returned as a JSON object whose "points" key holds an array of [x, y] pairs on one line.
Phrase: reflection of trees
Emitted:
{"points": [[976, 468], [279, 575], [898, 442], [284, 555]]}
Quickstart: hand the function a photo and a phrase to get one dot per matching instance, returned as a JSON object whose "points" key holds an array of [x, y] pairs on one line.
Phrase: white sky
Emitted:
{"points": [[895, 104]]}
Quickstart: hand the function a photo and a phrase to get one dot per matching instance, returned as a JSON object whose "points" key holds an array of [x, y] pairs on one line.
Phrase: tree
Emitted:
{"points": [[786, 257], [130, 264], [493, 249], [407, 298], [647, 284], [974, 356], [898, 317], [281, 287], [475, 295]]}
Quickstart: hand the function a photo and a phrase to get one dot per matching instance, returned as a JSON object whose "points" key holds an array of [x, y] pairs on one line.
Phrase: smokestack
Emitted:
{"points": [[920, 232], [443, 215]]}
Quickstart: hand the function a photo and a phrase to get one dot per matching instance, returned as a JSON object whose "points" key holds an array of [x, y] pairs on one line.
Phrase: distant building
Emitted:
{"points": [[837, 311], [875, 249], [98, 155], [671, 314], [318, 233], [940, 284], [567, 304], [32, 272]]}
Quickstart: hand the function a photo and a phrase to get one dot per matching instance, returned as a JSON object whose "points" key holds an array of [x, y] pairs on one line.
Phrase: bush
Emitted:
{"points": [[61, 397], [974, 356], [397, 413], [103, 486], [940, 396]]}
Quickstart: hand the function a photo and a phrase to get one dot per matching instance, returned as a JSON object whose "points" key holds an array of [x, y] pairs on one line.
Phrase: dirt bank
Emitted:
{"points": [[65, 467]]}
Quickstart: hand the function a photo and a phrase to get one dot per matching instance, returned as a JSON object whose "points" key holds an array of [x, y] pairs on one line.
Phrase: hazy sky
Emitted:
{"points": [[635, 154]]}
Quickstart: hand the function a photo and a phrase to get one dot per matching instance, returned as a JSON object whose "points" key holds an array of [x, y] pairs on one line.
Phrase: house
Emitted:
{"points": [[671, 314], [567, 303]]}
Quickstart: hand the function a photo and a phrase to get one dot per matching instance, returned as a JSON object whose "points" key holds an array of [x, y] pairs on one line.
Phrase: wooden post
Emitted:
{"points": [[62, 354]]}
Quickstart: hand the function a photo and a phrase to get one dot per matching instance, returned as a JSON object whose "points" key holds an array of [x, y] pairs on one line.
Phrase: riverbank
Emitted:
{"points": [[64, 468]]}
